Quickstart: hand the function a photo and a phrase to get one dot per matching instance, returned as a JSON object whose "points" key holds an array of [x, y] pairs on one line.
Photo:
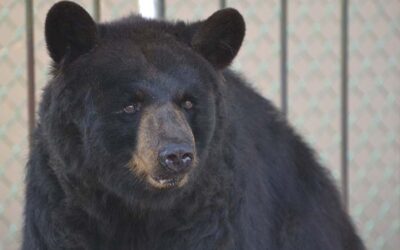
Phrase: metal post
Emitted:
{"points": [[152, 8], [96, 10], [30, 65], [283, 33], [222, 4], [160, 9], [344, 103]]}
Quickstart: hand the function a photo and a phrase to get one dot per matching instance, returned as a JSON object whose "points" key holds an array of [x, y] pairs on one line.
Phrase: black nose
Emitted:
{"points": [[176, 157]]}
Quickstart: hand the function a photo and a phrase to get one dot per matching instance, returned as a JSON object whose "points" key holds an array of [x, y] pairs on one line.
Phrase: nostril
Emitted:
{"points": [[172, 158], [176, 157], [187, 156]]}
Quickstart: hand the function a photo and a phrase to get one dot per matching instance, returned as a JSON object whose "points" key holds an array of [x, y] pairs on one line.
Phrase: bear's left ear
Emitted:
{"points": [[219, 37], [69, 30]]}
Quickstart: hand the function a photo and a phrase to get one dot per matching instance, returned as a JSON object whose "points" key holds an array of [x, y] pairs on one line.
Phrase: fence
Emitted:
{"points": [[332, 66]]}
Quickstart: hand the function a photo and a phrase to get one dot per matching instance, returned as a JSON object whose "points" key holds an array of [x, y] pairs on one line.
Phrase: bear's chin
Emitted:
{"points": [[158, 199]]}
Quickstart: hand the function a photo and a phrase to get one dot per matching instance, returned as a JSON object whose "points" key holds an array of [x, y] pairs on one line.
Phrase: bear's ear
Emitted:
{"points": [[69, 30], [219, 37]]}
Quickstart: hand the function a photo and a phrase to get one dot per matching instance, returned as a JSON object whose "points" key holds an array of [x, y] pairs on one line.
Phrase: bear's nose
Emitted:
{"points": [[176, 157]]}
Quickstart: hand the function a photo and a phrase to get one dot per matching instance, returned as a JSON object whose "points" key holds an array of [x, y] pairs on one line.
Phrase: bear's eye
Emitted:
{"points": [[188, 105], [132, 108]]}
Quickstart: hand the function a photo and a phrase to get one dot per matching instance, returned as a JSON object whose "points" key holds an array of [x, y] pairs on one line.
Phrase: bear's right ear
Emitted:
{"points": [[69, 30]]}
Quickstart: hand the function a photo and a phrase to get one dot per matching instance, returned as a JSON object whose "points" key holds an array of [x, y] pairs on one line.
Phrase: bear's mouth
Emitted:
{"points": [[167, 181]]}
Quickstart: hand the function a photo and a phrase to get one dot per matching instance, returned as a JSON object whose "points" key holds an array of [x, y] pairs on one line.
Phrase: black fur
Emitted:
{"points": [[257, 184]]}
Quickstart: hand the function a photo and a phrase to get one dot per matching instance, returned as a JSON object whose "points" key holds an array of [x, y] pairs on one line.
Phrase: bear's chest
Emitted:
{"points": [[163, 235]]}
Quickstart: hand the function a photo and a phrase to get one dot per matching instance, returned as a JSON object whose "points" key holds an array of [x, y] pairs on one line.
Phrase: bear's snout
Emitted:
{"points": [[165, 151]]}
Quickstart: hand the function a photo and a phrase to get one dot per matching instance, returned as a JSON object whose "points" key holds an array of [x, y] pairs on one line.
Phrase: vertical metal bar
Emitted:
{"points": [[344, 103], [160, 9], [96, 10], [30, 64], [222, 4], [283, 33]]}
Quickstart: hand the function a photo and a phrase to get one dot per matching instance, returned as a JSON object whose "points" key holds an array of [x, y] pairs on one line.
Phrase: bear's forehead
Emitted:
{"points": [[122, 65], [155, 60], [144, 60]]}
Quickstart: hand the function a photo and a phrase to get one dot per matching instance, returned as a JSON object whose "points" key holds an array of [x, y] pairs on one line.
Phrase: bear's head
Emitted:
{"points": [[134, 105]]}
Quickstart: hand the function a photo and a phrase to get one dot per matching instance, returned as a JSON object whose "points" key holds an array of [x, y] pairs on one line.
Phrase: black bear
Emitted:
{"points": [[145, 140]]}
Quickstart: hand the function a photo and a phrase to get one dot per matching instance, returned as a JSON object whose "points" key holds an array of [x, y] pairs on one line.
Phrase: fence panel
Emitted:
{"points": [[13, 120], [374, 112]]}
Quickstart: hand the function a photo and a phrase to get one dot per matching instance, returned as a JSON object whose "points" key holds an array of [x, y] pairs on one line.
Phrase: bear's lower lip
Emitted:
{"points": [[162, 182], [168, 181]]}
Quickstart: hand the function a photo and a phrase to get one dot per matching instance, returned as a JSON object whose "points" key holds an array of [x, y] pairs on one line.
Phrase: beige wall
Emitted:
{"points": [[314, 93]]}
